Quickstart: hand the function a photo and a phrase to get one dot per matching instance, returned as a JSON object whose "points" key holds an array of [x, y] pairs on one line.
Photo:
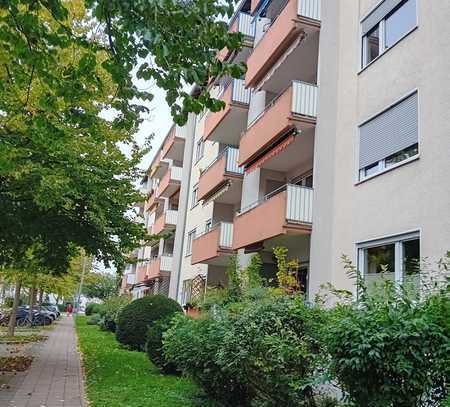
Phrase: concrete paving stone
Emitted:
{"points": [[55, 378]]}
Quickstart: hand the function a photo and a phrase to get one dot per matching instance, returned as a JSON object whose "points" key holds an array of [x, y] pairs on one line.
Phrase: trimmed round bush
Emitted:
{"points": [[135, 319]]}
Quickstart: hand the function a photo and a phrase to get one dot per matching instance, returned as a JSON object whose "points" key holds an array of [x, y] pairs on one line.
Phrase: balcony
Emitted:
{"points": [[141, 273], [284, 27], [159, 265], [295, 108], [286, 210], [173, 147], [170, 183], [214, 246], [167, 221], [226, 125], [241, 23], [223, 171]]}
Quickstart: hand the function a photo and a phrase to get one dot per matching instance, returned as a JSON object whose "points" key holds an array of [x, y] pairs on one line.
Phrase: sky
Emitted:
{"points": [[158, 122]]}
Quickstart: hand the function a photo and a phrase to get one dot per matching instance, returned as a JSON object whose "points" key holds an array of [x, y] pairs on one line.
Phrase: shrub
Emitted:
{"points": [[92, 308], [192, 346], [134, 319], [94, 319], [391, 351], [272, 348], [110, 310], [154, 345]]}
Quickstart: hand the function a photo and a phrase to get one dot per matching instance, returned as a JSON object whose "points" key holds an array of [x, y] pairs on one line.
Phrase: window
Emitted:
{"points": [[385, 26], [199, 150], [194, 196], [389, 138], [190, 238], [400, 22], [186, 292], [208, 225], [396, 259]]}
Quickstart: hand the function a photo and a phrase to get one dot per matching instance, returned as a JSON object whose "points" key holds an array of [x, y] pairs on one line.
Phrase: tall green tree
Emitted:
{"points": [[65, 182], [101, 285]]}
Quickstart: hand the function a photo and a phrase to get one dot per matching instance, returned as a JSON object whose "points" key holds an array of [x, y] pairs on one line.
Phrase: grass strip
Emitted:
{"points": [[117, 377]]}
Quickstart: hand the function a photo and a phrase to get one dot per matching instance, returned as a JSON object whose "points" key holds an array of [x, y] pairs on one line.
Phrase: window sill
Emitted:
{"points": [[401, 163], [387, 50]]}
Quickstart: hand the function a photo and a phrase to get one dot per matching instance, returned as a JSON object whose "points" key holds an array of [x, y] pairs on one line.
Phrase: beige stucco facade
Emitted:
{"points": [[414, 196]]}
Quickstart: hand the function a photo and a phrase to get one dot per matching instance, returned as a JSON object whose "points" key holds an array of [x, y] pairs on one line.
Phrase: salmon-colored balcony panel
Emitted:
{"points": [[174, 146], [153, 268], [141, 273], [214, 246], [243, 24], [294, 18], [223, 169], [158, 266], [226, 125], [170, 183], [289, 211], [167, 220], [295, 108]]}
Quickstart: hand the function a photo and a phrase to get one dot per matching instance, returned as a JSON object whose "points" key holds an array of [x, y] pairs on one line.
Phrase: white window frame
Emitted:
{"points": [[190, 238], [194, 196], [199, 150], [208, 225], [398, 240], [382, 35]]}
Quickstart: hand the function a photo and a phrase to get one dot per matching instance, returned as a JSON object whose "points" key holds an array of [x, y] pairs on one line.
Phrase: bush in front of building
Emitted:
{"points": [[110, 311], [154, 345], [391, 348], [192, 346], [92, 308], [134, 319]]}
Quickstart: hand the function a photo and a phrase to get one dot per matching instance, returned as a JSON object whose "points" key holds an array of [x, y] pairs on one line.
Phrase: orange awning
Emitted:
{"points": [[274, 151]]}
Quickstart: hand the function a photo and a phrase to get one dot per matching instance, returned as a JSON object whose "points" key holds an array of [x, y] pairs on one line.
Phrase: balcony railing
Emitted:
{"points": [[226, 235], [231, 160], [245, 24], [239, 93], [309, 8], [304, 99], [176, 173], [298, 202], [171, 217], [166, 262]]}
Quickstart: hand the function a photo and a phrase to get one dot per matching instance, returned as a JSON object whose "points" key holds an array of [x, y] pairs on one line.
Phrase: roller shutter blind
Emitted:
{"points": [[390, 132], [378, 14]]}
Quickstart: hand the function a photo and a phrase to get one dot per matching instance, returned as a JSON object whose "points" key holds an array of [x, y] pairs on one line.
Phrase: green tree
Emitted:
{"points": [[101, 285], [65, 182]]}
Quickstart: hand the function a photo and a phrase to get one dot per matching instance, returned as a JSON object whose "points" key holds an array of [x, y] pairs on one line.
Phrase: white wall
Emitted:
{"points": [[415, 196]]}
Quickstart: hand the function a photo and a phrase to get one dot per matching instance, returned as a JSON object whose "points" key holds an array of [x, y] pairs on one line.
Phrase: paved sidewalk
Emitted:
{"points": [[55, 377]]}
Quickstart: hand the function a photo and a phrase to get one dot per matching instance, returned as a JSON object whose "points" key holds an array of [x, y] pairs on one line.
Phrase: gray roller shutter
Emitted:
{"points": [[378, 14], [389, 132]]}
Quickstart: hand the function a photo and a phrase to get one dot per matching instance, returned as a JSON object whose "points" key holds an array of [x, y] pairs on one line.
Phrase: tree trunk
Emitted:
{"points": [[31, 302], [12, 319], [41, 296]]}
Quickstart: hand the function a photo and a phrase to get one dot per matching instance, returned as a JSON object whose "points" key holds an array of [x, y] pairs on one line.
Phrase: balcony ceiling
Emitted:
{"points": [[229, 130], [300, 64], [176, 151], [298, 154]]}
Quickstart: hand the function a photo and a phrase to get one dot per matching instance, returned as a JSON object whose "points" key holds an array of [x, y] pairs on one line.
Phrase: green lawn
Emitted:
{"points": [[118, 377]]}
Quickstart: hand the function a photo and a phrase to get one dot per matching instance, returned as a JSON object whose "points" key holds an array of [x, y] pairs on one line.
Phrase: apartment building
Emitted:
{"points": [[335, 142], [150, 274]]}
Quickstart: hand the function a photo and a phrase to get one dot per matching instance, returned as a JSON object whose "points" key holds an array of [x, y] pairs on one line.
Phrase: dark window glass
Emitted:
{"points": [[400, 22], [411, 262], [379, 259], [402, 155], [371, 169], [373, 44]]}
